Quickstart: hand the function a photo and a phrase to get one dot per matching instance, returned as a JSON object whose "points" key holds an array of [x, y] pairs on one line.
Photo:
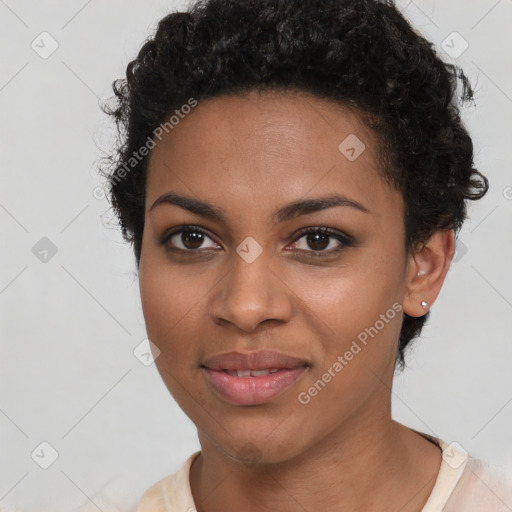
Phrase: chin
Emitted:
{"points": [[259, 451]]}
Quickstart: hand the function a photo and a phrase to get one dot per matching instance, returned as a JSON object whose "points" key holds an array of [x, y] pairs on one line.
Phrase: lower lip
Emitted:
{"points": [[252, 390]]}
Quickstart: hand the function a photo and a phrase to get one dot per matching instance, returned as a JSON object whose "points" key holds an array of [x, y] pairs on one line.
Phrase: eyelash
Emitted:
{"points": [[345, 240]]}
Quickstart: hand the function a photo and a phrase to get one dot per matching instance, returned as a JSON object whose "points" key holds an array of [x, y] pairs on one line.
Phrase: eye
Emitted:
{"points": [[319, 241], [187, 239], [322, 240]]}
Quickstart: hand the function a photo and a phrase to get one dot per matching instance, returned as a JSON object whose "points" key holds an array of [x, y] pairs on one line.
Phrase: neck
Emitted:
{"points": [[370, 464]]}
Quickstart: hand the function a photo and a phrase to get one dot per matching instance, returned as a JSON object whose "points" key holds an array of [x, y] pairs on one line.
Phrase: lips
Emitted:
{"points": [[262, 360], [252, 378]]}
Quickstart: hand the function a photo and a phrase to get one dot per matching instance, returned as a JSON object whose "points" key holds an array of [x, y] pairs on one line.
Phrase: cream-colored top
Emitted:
{"points": [[463, 484]]}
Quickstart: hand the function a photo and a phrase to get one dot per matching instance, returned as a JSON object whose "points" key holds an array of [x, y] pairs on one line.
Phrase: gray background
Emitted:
{"points": [[70, 324]]}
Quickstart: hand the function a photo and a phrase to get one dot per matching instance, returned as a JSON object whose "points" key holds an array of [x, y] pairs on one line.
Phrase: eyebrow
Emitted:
{"points": [[287, 212]]}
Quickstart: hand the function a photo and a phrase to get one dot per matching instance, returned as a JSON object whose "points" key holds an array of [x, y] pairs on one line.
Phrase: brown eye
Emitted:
{"points": [[192, 239], [187, 239], [322, 240], [317, 241]]}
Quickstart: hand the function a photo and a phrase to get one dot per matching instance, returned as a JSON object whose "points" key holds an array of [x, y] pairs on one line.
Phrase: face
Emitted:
{"points": [[248, 279]]}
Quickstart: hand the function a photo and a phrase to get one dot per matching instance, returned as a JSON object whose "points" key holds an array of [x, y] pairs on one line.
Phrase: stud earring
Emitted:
{"points": [[421, 273], [424, 304]]}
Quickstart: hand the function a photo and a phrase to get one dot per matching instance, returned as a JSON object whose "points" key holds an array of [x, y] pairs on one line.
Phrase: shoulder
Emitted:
{"points": [[170, 493], [482, 487], [468, 484]]}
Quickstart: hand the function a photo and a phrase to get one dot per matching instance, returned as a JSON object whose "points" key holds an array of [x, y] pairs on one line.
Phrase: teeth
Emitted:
{"points": [[251, 373], [259, 373]]}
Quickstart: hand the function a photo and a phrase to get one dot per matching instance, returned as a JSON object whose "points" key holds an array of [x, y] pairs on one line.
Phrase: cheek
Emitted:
{"points": [[166, 293], [355, 312], [356, 325], [173, 310], [351, 297], [172, 314]]}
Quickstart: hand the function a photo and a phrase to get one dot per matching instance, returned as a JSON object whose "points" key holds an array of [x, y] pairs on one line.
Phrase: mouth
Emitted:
{"points": [[251, 389], [254, 373], [254, 378], [264, 360]]}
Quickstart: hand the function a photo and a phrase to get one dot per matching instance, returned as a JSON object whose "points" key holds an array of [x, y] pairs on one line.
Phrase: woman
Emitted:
{"points": [[292, 176]]}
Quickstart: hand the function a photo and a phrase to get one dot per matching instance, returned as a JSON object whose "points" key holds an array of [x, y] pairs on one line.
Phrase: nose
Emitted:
{"points": [[251, 294]]}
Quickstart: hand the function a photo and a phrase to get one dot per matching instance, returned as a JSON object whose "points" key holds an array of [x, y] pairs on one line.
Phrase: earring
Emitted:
{"points": [[421, 273], [424, 304]]}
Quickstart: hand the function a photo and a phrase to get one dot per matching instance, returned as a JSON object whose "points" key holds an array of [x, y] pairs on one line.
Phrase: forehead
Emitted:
{"points": [[268, 148]]}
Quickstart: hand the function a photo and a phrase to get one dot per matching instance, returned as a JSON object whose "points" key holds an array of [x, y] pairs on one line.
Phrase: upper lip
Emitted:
{"points": [[262, 360]]}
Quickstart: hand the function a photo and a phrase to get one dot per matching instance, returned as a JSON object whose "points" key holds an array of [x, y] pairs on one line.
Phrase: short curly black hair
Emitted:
{"points": [[359, 53]]}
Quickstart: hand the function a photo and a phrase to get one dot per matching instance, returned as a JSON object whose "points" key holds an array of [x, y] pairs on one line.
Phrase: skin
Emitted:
{"points": [[249, 155]]}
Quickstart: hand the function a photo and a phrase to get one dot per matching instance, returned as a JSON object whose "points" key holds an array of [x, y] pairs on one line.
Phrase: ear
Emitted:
{"points": [[426, 271]]}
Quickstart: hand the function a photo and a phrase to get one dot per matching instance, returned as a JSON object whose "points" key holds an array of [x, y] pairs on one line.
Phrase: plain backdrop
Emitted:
{"points": [[70, 314]]}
